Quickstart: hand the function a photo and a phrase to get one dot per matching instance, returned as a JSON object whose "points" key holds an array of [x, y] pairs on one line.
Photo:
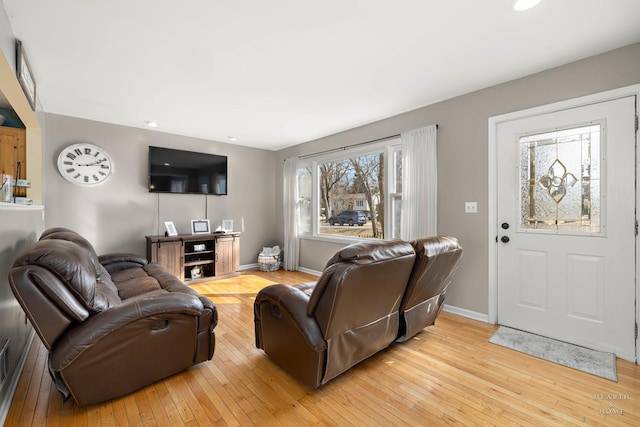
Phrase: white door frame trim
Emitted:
{"points": [[494, 122]]}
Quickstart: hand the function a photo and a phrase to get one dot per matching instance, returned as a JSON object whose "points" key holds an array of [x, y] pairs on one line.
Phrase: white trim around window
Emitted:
{"points": [[311, 230]]}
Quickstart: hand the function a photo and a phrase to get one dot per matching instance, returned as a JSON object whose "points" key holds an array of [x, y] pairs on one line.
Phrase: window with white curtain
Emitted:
{"points": [[305, 194], [352, 194]]}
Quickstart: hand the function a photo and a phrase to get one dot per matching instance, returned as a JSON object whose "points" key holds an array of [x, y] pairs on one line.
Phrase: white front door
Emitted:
{"points": [[566, 225]]}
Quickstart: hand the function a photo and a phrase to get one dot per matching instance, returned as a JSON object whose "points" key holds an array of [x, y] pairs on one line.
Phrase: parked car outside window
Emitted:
{"points": [[349, 217]]}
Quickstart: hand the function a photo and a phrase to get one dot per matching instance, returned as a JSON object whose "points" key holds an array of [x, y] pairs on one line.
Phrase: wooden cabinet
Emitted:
{"points": [[227, 259], [167, 253], [13, 151], [196, 257]]}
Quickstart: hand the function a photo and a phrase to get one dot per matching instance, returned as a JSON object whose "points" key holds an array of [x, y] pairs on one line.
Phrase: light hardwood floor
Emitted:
{"points": [[448, 375]]}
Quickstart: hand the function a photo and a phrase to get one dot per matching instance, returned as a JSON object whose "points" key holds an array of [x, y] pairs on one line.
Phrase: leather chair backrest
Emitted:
{"points": [[437, 258], [52, 230], [71, 236], [357, 298], [56, 283], [104, 282]]}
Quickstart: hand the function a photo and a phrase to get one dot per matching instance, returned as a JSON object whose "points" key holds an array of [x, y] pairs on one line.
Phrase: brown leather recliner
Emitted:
{"points": [[112, 324], [436, 260], [316, 331]]}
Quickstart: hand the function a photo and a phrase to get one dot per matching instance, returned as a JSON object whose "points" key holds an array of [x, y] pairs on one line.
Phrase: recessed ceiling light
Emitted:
{"points": [[152, 124], [232, 138], [522, 5]]}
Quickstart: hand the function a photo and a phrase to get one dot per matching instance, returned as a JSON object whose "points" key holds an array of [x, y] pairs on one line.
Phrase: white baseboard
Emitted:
{"points": [[466, 313], [309, 271], [248, 266], [302, 269]]}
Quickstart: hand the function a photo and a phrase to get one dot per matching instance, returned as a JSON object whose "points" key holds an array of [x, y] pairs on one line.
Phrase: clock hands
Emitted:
{"points": [[94, 163]]}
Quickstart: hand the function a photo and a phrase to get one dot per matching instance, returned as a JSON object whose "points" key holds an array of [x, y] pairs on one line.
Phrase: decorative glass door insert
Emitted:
{"points": [[560, 181]]}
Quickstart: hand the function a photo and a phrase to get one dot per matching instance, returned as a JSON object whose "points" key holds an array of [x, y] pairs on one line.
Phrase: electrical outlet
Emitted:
{"points": [[470, 207]]}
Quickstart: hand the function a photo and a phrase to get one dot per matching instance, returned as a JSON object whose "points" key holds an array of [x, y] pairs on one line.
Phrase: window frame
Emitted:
{"points": [[388, 147]]}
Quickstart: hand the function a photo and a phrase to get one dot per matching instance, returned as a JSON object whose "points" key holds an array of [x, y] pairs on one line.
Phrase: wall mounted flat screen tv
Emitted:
{"points": [[186, 172]]}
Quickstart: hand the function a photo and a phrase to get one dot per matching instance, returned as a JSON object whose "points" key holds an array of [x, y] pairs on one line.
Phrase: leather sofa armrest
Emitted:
{"points": [[207, 304], [120, 261], [288, 301], [150, 307]]}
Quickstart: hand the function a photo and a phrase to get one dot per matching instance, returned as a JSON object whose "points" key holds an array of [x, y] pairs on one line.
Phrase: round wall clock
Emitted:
{"points": [[85, 164]]}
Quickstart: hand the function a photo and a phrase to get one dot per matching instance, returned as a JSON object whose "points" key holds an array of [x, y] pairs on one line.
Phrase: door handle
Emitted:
{"points": [[504, 239]]}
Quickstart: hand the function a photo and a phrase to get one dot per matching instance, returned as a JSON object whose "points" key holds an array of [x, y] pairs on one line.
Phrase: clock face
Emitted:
{"points": [[85, 164]]}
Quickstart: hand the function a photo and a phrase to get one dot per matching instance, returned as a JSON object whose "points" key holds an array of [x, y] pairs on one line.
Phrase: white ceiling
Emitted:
{"points": [[280, 72]]}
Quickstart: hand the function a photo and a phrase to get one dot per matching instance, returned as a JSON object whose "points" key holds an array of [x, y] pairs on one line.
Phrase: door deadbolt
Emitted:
{"points": [[505, 226]]}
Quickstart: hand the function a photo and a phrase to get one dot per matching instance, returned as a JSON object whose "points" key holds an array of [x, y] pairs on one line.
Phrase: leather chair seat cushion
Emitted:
{"points": [[167, 280], [133, 282]]}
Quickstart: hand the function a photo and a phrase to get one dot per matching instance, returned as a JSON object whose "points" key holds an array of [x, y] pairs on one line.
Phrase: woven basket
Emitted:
{"points": [[269, 262]]}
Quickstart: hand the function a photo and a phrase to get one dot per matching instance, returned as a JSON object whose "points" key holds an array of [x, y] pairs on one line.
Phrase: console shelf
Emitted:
{"points": [[197, 257]]}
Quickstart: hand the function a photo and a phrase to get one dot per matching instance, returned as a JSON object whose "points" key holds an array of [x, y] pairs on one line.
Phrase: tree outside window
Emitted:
{"points": [[351, 197]]}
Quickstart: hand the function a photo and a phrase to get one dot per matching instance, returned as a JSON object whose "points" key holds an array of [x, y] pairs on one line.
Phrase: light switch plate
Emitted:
{"points": [[470, 207]]}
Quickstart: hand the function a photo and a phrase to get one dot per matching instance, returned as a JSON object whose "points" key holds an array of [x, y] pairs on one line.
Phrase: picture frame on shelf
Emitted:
{"points": [[25, 76], [196, 272], [200, 226], [171, 229], [227, 225]]}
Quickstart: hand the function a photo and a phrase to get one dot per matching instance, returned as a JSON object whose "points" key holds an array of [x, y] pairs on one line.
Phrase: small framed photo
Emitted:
{"points": [[227, 225], [171, 229], [200, 226], [25, 77]]}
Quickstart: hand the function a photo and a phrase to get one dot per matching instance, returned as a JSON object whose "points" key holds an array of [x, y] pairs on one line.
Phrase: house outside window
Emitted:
{"points": [[347, 195]]}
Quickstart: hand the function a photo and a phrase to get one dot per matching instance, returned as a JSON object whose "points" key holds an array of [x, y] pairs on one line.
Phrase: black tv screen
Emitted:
{"points": [[187, 172]]}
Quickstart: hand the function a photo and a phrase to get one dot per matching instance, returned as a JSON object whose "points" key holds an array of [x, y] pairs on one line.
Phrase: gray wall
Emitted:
{"points": [[463, 155], [19, 227], [117, 215]]}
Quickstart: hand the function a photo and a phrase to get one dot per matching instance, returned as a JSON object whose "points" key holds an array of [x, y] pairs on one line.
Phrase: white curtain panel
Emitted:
{"points": [[291, 215], [419, 183]]}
